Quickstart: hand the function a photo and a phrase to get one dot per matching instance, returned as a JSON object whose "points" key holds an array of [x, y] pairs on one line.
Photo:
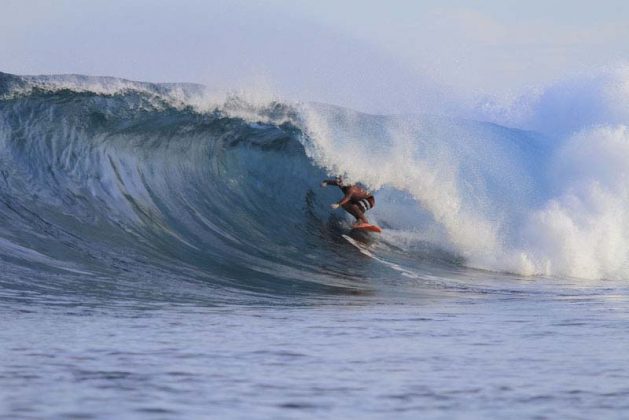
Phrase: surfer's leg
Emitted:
{"points": [[355, 211]]}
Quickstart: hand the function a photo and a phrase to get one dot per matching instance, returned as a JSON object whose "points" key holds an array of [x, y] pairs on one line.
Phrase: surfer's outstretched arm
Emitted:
{"points": [[327, 182]]}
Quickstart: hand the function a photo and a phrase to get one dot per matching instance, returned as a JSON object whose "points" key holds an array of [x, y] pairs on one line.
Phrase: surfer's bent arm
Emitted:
{"points": [[346, 199]]}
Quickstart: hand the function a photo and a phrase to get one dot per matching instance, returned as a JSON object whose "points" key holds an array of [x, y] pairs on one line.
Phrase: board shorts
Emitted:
{"points": [[366, 203]]}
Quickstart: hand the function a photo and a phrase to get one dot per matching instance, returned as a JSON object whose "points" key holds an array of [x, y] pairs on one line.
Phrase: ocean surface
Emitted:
{"points": [[168, 252]]}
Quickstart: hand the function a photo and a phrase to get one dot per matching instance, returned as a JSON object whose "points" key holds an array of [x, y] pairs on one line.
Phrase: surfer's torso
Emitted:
{"points": [[356, 200], [359, 196], [356, 193]]}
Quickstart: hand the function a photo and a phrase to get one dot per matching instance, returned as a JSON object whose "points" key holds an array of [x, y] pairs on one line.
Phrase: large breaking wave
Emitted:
{"points": [[115, 180]]}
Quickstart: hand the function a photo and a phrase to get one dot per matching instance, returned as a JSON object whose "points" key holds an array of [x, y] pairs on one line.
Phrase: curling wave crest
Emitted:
{"points": [[125, 180]]}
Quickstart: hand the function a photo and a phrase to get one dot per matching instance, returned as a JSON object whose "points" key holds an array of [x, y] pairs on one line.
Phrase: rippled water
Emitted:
{"points": [[541, 350]]}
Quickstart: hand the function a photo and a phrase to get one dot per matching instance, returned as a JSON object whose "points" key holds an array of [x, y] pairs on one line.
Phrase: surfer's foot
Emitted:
{"points": [[359, 224]]}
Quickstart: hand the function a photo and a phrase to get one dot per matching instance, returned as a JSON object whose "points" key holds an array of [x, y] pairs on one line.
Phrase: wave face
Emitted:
{"points": [[117, 181]]}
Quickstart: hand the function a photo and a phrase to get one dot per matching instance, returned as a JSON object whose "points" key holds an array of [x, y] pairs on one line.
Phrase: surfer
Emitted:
{"points": [[356, 200]]}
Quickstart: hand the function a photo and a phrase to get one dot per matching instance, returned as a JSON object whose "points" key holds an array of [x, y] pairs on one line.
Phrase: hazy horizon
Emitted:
{"points": [[394, 58]]}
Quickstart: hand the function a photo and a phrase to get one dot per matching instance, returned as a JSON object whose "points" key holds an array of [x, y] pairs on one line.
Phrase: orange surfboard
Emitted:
{"points": [[367, 226]]}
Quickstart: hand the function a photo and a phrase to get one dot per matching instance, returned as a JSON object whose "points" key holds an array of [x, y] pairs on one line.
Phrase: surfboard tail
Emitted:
{"points": [[368, 227]]}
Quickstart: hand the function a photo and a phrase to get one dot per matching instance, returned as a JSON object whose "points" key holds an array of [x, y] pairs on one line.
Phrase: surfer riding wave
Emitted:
{"points": [[356, 201]]}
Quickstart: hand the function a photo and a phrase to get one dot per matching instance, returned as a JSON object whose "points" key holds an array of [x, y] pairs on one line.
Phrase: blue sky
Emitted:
{"points": [[370, 55]]}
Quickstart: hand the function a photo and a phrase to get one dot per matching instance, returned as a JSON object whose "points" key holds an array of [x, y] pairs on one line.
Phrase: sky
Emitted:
{"points": [[393, 56]]}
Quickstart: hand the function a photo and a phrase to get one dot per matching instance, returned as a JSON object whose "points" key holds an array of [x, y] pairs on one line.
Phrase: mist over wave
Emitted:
{"points": [[116, 178]]}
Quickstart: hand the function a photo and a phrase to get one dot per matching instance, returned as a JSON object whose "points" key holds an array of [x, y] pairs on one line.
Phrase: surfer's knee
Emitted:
{"points": [[353, 208]]}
